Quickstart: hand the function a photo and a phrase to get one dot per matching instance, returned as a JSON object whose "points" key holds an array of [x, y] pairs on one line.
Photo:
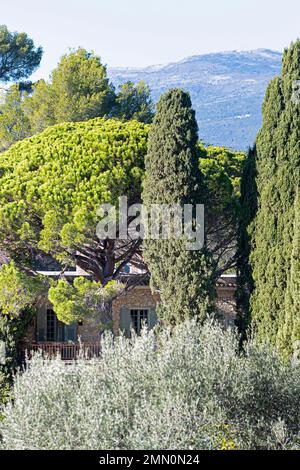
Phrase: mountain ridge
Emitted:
{"points": [[227, 90]]}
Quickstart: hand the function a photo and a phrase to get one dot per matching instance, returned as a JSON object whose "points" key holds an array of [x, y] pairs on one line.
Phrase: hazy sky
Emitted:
{"points": [[140, 32]]}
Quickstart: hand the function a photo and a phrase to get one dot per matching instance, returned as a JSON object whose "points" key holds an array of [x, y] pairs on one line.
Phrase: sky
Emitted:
{"points": [[137, 33]]}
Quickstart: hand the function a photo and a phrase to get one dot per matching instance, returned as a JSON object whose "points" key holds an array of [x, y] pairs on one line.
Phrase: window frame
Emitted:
{"points": [[136, 323]]}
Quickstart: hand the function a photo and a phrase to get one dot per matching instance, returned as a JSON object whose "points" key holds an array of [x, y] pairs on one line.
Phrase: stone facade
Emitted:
{"points": [[226, 302], [30, 337], [140, 297]]}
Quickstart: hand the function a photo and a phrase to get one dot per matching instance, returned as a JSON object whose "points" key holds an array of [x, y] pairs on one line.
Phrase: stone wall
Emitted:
{"points": [[226, 304], [138, 297], [89, 331], [30, 336], [142, 298]]}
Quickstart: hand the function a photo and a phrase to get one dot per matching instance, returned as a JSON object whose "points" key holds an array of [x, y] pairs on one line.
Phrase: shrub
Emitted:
{"points": [[191, 389], [11, 333]]}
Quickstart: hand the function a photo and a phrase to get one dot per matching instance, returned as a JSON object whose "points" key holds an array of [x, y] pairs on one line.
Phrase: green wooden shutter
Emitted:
{"points": [[152, 318], [60, 331], [41, 325], [71, 332], [125, 320]]}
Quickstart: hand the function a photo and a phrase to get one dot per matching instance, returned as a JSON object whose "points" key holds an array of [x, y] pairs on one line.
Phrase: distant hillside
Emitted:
{"points": [[227, 90]]}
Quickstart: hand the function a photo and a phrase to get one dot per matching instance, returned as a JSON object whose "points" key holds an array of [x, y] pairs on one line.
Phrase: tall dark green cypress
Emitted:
{"points": [[182, 277], [289, 332], [248, 209], [277, 166]]}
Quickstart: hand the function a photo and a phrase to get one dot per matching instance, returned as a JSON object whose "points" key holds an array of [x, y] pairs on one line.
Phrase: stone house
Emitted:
{"points": [[130, 310]]}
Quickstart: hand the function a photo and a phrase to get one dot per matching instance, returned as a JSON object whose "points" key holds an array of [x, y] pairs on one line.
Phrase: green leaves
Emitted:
{"points": [[17, 290], [191, 389], [18, 55], [52, 184], [134, 102], [222, 169], [182, 277], [278, 179], [83, 298], [14, 124], [79, 91]]}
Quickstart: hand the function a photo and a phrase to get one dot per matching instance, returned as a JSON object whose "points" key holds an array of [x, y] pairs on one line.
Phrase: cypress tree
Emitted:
{"points": [[248, 209], [182, 277], [277, 166], [289, 333]]}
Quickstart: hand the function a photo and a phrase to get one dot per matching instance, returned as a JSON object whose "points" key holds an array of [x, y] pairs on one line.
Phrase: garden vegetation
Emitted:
{"points": [[192, 389]]}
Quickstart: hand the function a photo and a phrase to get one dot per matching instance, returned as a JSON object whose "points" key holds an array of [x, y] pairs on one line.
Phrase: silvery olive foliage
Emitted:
{"points": [[191, 389]]}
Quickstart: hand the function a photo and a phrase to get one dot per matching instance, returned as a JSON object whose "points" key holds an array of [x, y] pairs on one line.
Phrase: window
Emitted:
{"points": [[50, 329], [52, 324], [138, 319], [134, 318]]}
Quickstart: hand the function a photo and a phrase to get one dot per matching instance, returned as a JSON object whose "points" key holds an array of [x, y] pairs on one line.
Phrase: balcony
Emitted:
{"points": [[66, 351]]}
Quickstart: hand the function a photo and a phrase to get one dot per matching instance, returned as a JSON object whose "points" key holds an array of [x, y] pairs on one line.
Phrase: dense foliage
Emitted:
{"points": [[72, 302], [248, 209], [134, 102], [18, 55], [53, 183], [289, 334], [188, 390], [222, 170], [78, 90], [18, 290], [12, 330], [14, 124], [278, 180], [182, 276], [51, 187]]}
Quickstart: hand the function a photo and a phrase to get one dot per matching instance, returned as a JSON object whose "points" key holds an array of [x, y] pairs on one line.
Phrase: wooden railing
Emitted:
{"points": [[66, 351]]}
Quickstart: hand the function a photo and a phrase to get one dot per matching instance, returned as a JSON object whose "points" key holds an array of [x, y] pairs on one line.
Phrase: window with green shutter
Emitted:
{"points": [[136, 318], [50, 329]]}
